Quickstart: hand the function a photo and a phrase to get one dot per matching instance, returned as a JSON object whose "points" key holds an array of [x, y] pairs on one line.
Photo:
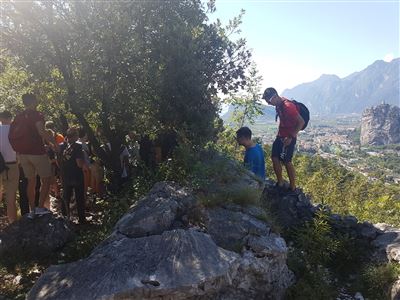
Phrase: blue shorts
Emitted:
{"points": [[285, 154]]}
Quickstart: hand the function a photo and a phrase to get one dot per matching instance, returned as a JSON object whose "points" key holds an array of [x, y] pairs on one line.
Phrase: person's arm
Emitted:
{"points": [[80, 160], [299, 125], [82, 164], [45, 135]]}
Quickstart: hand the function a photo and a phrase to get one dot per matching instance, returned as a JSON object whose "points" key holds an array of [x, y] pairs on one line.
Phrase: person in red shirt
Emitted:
{"points": [[33, 157], [290, 123]]}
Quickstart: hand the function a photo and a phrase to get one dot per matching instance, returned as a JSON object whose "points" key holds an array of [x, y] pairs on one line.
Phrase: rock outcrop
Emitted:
{"points": [[380, 125], [381, 240], [35, 238], [192, 252], [291, 211]]}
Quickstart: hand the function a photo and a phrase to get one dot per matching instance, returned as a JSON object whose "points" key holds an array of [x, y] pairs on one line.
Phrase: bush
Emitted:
{"points": [[324, 260], [377, 280]]}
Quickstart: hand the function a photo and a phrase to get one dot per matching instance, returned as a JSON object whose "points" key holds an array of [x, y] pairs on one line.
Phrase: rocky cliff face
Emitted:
{"points": [[380, 125]]}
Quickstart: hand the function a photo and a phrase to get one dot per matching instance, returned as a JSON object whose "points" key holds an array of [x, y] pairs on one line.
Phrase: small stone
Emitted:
{"points": [[17, 280], [358, 296]]}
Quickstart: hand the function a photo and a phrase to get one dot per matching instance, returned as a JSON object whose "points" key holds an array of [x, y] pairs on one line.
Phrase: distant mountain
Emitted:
{"points": [[330, 94]]}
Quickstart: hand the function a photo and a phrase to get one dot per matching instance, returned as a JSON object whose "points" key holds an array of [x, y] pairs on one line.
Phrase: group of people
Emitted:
{"points": [[290, 123], [39, 161]]}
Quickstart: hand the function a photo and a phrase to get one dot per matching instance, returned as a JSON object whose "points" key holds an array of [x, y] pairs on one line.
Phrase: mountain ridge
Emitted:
{"points": [[330, 94]]}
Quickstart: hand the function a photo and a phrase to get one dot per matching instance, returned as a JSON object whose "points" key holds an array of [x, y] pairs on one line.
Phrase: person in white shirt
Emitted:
{"points": [[9, 179]]}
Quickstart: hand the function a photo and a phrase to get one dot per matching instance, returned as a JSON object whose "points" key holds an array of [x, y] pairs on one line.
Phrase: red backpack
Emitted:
{"points": [[20, 135]]}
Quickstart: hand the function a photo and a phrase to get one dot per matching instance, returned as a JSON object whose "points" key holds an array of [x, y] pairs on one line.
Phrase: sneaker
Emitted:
{"points": [[281, 188], [41, 211], [30, 215]]}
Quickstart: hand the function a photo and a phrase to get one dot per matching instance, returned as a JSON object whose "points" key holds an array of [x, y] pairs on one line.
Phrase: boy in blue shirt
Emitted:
{"points": [[254, 155]]}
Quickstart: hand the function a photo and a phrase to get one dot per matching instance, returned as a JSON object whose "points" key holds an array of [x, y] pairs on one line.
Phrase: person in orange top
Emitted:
{"points": [[290, 123], [55, 168]]}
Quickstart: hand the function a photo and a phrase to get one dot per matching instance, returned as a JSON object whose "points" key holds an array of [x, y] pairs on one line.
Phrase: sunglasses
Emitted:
{"points": [[269, 100]]}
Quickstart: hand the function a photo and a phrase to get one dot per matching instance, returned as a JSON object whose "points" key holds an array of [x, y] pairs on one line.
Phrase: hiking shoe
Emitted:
{"points": [[281, 188], [30, 215], [42, 211], [294, 192]]}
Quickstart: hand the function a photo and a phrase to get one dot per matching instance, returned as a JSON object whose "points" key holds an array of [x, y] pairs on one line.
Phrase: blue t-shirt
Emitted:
{"points": [[254, 160]]}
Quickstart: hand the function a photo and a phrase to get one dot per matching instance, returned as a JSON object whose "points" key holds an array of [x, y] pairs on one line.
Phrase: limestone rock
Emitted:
{"points": [[157, 212], [138, 261], [177, 264], [35, 238], [380, 125], [395, 290], [388, 244], [230, 228], [289, 210]]}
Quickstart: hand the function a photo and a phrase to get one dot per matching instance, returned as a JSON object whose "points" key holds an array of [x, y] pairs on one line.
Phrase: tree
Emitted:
{"points": [[246, 107], [246, 103], [151, 66]]}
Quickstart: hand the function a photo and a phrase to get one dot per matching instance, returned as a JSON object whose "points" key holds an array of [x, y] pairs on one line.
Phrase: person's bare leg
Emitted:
{"points": [[276, 163], [291, 174], [30, 191], [44, 190], [11, 207]]}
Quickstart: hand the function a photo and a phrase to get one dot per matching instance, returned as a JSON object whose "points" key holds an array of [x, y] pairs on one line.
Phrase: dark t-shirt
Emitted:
{"points": [[71, 173]]}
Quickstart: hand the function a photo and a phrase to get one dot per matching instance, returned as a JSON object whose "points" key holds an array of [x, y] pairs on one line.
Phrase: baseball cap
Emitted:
{"points": [[269, 92]]}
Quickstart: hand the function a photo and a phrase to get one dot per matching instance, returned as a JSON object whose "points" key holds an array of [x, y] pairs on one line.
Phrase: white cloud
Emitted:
{"points": [[388, 57]]}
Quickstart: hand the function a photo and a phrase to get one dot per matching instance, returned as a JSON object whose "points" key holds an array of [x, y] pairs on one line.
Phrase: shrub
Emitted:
{"points": [[377, 280]]}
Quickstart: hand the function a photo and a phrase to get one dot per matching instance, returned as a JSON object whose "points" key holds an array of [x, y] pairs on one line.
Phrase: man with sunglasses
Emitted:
{"points": [[290, 123]]}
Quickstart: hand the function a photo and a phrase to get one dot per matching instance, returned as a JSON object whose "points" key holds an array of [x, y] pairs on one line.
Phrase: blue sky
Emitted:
{"points": [[298, 41]]}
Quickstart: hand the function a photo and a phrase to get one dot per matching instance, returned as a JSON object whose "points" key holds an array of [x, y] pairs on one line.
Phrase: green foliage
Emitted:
{"points": [[246, 103], [314, 247], [214, 176], [143, 65], [377, 280], [347, 192], [14, 82], [322, 260], [314, 284], [316, 241], [242, 196]]}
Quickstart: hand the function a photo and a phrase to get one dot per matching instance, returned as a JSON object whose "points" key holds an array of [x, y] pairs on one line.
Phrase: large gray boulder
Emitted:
{"points": [[194, 261], [161, 210], [35, 238], [176, 265]]}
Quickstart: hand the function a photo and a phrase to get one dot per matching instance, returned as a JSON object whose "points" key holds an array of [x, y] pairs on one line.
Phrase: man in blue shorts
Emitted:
{"points": [[254, 156], [290, 123]]}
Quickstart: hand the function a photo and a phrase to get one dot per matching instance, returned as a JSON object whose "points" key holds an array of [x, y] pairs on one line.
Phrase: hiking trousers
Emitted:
{"points": [[68, 190]]}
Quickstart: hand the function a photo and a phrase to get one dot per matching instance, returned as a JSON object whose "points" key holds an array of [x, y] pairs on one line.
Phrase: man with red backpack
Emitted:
{"points": [[290, 123], [27, 136]]}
